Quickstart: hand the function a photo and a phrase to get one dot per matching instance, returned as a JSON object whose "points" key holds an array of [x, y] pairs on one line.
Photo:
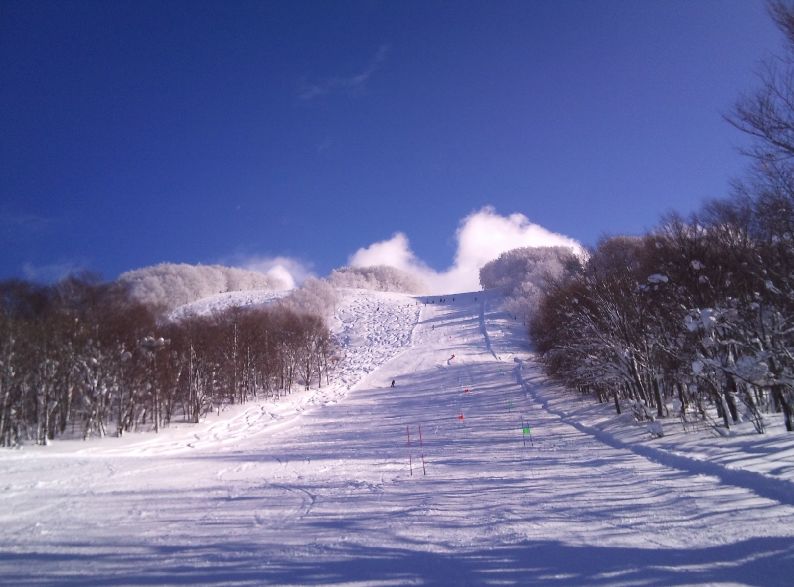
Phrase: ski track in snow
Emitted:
{"points": [[371, 328], [323, 486]]}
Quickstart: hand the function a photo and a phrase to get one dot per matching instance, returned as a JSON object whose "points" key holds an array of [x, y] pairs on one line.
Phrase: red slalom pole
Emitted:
{"points": [[410, 463], [422, 446]]}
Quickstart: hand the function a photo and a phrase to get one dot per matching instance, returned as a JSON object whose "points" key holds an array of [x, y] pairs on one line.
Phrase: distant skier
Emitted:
{"points": [[392, 382]]}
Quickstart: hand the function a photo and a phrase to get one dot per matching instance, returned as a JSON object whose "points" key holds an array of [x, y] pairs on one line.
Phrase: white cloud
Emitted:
{"points": [[291, 271], [349, 84], [394, 252], [481, 237]]}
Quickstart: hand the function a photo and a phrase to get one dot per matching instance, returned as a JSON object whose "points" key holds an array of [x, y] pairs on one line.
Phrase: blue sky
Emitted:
{"points": [[135, 132]]}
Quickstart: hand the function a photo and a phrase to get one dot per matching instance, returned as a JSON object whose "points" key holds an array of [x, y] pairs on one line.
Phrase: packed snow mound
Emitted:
{"points": [[169, 285], [220, 303], [377, 278], [315, 296]]}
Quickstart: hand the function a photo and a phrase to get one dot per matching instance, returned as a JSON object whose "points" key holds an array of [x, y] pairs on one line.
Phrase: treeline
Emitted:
{"points": [[377, 278], [695, 314], [85, 358], [698, 312], [169, 285]]}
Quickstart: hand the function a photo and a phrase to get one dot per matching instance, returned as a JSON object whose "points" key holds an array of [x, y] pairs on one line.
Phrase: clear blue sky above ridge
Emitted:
{"points": [[138, 132]]}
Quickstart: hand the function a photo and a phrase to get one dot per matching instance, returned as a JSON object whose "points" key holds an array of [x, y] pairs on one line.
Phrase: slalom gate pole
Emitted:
{"points": [[410, 464], [523, 435], [422, 447]]}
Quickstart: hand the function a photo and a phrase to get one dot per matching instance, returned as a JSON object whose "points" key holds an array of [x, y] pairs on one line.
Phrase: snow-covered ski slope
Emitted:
{"points": [[323, 488]]}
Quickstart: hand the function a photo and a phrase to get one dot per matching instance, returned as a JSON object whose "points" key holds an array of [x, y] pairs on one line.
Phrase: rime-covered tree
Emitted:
{"points": [[522, 275]]}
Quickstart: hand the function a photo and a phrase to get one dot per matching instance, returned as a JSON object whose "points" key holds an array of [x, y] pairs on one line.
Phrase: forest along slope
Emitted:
{"points": [[338, 495]]}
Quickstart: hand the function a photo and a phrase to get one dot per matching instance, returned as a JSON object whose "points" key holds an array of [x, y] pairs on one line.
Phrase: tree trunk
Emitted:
{"points": [[657, 392], [730, 397], [780, 400]]}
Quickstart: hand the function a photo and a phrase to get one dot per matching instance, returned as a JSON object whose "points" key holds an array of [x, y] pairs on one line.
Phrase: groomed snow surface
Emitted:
{"points": [[525, 484]]}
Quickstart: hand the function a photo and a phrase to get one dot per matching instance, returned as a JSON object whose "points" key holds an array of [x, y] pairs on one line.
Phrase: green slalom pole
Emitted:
{"points": [[526, 431]]}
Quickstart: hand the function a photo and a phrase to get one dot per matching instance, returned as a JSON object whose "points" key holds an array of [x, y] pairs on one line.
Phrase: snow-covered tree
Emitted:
{"points": [[522, 274], [377, 278], [168, 285], [315, 297], [702, 309]]}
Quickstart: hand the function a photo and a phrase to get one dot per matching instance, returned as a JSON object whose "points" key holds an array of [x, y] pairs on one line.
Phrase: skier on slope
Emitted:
{"points": [[392, 382]]}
